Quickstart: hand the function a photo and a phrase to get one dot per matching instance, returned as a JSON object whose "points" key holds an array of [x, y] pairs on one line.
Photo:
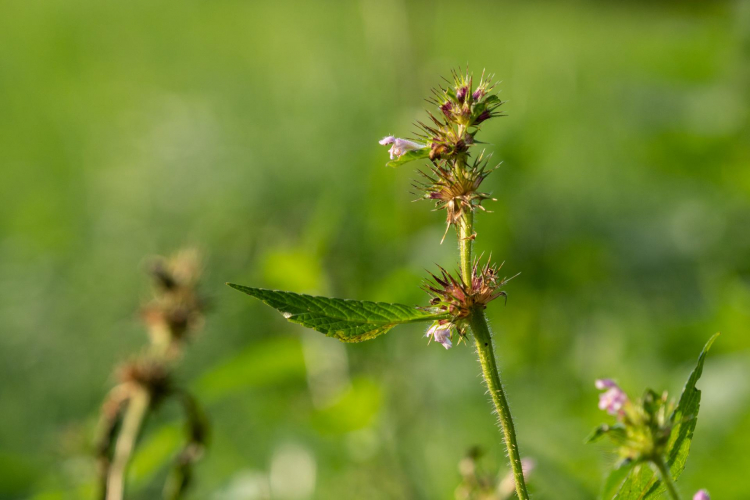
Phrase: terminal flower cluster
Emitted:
{"points": [[453, 180]]}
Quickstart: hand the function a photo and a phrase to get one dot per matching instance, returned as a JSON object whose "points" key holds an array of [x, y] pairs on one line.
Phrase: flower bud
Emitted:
{"points": [[447, 108], [484, 115], [701, 495], [461, 94], [613, 399]]}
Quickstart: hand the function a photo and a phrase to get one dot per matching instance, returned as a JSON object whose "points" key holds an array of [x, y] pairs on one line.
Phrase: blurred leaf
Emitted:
{"points": [[16, 474], [356, 408], [616, 430], [615, 479], [262, 364], [155, 453], [344, 319], [418, 154], [298, 269], [642, 483]]}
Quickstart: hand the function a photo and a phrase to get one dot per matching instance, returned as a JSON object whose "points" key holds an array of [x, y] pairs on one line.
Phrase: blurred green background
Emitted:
{"points": [[249, 130]]}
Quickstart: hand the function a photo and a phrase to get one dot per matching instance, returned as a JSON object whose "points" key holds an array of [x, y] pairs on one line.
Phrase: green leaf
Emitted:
{"points": [[615, 479], [493, 99], [642, 483], [614, 431], [417, 154], [346, 320]]}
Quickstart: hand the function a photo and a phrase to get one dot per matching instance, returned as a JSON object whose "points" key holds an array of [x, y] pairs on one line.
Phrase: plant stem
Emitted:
{"points": [[486, 352], [135, 414], [666, 477], [465, 242]]}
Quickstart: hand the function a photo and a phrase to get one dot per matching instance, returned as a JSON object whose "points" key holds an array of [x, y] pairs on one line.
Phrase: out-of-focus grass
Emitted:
{"points": [[249, 129]]}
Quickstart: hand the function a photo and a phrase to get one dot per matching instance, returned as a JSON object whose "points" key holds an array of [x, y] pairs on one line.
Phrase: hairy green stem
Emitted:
{"points": [[135, 414], [465, 242], [666, 477], [485, 349]]}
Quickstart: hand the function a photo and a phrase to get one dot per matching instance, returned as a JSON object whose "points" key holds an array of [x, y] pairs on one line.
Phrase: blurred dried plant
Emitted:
{"points": [[146, 381]]}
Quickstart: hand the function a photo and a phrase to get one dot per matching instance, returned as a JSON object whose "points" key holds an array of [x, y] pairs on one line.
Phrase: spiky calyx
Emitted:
{"points": [[452, 295], [456, 190], [465, 105]]}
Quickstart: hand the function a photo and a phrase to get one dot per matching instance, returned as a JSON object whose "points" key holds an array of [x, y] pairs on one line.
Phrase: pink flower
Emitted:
{"points": [[701, 495], [613, 399], [441, 333], [400, 146]]}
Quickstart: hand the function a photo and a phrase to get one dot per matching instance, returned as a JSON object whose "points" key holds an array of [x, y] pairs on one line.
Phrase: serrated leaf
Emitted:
{"points": [[642, 483], [615, 479], [417, 154], [344, 319]]}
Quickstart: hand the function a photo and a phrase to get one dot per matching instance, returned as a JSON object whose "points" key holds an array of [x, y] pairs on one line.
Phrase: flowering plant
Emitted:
{"points": [[648, 431], [458, 301], [652, 435]]}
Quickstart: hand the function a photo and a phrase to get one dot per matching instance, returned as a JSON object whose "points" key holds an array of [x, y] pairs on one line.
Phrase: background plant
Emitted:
{"points": [[147, 381], [652, 435], [127, 129]]}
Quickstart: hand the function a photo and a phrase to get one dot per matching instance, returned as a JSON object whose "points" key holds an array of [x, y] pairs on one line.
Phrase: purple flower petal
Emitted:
{"points": [[613, 399], [605, 383], [441, 333], [701, 495]]}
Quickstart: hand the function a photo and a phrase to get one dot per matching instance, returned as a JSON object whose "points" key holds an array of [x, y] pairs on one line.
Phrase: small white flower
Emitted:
{"points": [[701, 495], [441, 333], [613, 399], [400, 146]]}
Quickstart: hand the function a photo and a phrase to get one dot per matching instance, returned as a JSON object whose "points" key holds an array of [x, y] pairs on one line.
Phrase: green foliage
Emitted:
{"points": [[624, 196], [616, 432], [267, 363], [615, 479], [417, 154], [353, 410], [344, 319], [643, 483]]}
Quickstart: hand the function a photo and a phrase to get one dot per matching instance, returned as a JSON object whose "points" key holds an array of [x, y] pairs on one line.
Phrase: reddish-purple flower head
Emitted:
{"points": [[461, 93], [701, 495], [613, 399]]}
